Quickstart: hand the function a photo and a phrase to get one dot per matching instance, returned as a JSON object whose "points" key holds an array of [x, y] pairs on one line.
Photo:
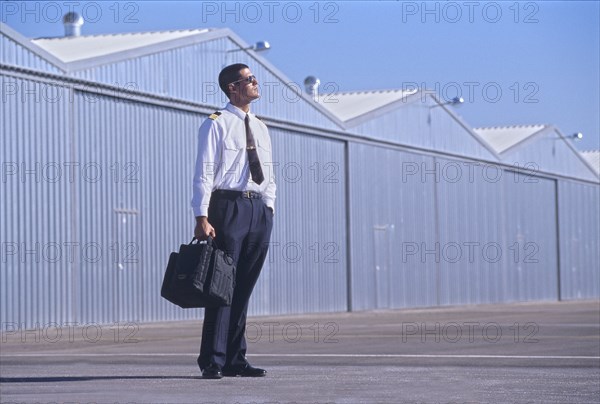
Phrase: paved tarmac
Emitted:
{"points": [[515, 353]]}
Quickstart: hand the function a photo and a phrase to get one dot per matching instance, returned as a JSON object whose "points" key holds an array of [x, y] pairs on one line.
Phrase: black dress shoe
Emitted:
{"points": [[248, 371], [212, 371]]}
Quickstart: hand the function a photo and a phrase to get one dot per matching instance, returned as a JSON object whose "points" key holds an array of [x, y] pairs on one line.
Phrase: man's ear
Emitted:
{"points": [[234, 95]]}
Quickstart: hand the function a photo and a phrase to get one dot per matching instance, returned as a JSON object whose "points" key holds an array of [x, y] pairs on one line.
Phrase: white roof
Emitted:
{"points": [[70, 49], [593, 158], [501, 138], [350, 105]]}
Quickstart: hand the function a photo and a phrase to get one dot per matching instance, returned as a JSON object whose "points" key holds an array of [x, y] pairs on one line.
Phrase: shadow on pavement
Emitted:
{"points": [[86, 378]]}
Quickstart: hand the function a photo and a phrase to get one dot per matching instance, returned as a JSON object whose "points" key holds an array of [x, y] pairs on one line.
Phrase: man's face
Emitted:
{"points": [[244, 91]]}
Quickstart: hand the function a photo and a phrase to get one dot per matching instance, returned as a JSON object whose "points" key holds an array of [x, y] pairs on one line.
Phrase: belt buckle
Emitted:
{"points": [[246, 194]]}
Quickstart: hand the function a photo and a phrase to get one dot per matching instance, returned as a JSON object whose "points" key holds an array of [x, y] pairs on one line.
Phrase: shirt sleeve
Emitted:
{"points": [[207, 163], [270, 191], [269, 196]]}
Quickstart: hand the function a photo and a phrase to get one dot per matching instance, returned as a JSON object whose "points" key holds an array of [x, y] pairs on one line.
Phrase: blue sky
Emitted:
{"points": [[513, 62]]}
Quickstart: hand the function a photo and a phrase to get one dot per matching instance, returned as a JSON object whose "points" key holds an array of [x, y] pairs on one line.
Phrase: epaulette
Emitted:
{"points": [[214, 115], [258, 117]]}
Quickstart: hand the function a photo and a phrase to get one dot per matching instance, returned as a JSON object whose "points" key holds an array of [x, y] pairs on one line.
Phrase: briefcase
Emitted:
{"points": [[199, 275]]}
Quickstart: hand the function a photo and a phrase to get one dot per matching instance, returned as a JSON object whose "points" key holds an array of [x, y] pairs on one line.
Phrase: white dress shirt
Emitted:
{"points": [[222, 159]]}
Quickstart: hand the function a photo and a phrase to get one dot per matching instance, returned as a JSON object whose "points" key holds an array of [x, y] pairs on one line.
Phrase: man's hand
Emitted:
{"points": [[203, 229]]}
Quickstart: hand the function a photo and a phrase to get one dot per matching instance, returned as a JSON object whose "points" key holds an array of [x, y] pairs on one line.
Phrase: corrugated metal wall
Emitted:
{"points": [[506, 245], [392, 213], [532, 244], [579, 225], [498, 245], [432, 231], [136, 208], [420, 123], [549, 153], [125, 206], [14, 54], [143, 214], [37, 241], [472, 247], [192, 78], [97, 192], [190, 73], [306, 269]]}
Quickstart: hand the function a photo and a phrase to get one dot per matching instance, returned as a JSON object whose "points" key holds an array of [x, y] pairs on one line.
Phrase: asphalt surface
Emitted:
{"points": [[516, 353]]}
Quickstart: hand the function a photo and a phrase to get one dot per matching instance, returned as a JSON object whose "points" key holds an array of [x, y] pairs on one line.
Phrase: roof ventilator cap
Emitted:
{"points": [[311, 86], [72, 22]]}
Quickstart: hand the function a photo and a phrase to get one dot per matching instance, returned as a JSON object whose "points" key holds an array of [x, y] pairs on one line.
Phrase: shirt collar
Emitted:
{"points": [[235, 110]]}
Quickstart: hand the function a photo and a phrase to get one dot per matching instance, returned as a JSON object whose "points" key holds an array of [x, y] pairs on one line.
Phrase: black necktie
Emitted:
{"points": [[253, 161]]}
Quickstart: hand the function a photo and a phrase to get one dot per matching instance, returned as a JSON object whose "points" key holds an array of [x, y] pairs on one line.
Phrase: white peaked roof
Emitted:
{"points": [[350, 105], [71, 49], [593, 158], [502, 138]]}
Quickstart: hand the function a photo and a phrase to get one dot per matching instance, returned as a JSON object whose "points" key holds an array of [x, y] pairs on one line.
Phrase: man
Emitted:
{"points": [[233, 201]]}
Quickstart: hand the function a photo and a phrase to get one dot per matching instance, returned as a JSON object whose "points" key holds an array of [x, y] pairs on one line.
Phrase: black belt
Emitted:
{"points": [[237, 194]]}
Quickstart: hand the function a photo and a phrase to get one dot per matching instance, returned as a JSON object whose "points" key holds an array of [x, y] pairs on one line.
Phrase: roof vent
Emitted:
{"points": [[72, 22], [311, 85]]}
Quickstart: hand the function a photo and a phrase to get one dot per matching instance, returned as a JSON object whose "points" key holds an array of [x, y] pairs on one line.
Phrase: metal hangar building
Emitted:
{"points": [[386, 199]]}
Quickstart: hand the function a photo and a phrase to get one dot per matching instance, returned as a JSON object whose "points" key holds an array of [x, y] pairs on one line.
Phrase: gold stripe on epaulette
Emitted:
{"points": [[215, 115]]}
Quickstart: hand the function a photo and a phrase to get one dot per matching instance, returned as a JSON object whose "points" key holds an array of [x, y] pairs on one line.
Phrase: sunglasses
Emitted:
{"points": [[248, 79]]}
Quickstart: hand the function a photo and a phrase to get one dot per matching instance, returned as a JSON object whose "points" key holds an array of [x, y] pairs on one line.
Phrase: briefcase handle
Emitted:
{"points": [[210, 241]]}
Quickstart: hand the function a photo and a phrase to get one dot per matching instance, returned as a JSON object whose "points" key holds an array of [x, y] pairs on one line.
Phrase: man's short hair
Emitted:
{"points": [[230, 74]]}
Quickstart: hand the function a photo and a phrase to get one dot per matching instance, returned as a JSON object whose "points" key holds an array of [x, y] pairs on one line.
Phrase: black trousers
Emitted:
{"points": [[243, 229]]}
